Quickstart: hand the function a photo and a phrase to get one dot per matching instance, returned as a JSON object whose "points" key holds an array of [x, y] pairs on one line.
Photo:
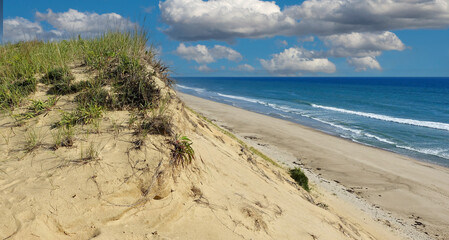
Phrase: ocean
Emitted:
{"points": [[409, 116]]}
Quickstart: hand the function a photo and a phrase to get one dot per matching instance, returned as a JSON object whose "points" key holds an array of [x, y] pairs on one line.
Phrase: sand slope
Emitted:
{"points": [[416, 193], [130, 191]]}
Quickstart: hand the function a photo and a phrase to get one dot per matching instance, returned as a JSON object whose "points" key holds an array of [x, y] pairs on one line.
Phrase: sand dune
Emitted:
{"points": [[109, 185]]}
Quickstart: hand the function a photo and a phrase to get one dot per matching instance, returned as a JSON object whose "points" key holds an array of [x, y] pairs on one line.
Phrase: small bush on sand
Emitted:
{"points": [[300, 178], [182, 152]]}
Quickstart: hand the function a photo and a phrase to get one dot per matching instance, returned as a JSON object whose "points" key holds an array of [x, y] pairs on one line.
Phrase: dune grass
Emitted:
{"points": [[114, 56]]}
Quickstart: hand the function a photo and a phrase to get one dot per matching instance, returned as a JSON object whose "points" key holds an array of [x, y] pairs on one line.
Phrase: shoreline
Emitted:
{"points": [[413, 190]]}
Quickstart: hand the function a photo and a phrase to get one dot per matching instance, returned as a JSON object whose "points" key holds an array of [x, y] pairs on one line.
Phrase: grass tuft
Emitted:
{"points": [[182, 152], [33, 141], [82, 115], [64, 137]]}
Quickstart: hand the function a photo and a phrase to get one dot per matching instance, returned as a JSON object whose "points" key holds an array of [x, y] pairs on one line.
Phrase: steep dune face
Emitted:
{"points": [[110, 183]]}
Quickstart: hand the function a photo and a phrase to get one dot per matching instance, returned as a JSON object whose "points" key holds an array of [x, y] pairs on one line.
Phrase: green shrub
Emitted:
{"points": [[300, 178]]}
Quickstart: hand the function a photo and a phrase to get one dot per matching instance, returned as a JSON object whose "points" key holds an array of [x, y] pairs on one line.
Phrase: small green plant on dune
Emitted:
{"points": [[300, 178], [82, 115], [63, 137], [182, 152], [32, 140], [37, 108], [88, 155]]}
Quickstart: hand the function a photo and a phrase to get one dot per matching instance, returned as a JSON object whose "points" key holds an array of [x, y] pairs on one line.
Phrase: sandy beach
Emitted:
{"points": [[415, 192]]}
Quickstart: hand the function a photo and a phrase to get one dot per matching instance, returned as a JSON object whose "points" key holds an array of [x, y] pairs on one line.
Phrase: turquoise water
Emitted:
{"points": [[409, 116]]}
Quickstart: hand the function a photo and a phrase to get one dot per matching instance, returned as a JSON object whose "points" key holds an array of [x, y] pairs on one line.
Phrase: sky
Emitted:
{"points": [[258, 38]]}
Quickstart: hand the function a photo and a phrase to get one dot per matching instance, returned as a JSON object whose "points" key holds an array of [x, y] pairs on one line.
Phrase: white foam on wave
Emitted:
{"points": [[358, 132], [428, 124], [379, 138], [436, 152], [191, 88], [281, 108], [242, 98]]}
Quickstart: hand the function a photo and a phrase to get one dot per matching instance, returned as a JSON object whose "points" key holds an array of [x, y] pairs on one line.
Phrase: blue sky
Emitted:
{"points": [[259, 38]]}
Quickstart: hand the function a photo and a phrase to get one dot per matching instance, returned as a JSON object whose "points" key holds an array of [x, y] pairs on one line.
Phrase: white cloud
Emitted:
{"points": [[327, 17], [245, 68], [223, 19], [76, 22], [198, 53], [202, 54], [219, 51], [228, 19], [364, 63], [362, 44], [21, 29], [65, 25], [294, 61], [204, 68]]}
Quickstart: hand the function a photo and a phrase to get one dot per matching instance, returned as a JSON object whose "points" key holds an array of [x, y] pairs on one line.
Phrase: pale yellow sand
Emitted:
{"points": [[414, 191], [129, 193]]}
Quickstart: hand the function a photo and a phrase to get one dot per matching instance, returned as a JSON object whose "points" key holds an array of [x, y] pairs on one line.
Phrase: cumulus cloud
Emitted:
{"points": [[327, 17], [223, 19], [21, 29], [228, 19], [351, 29], [362, 44], [245, 68], [294, 61], [364, 63], [76, 22], [202, 54], [65, 25]]}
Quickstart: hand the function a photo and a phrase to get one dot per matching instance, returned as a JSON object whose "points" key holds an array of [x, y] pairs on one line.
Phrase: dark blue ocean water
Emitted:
{"points": [[409, 116]]}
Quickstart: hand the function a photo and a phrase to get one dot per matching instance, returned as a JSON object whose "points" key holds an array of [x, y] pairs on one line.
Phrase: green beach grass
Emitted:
{"points": [[113, 55]]}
